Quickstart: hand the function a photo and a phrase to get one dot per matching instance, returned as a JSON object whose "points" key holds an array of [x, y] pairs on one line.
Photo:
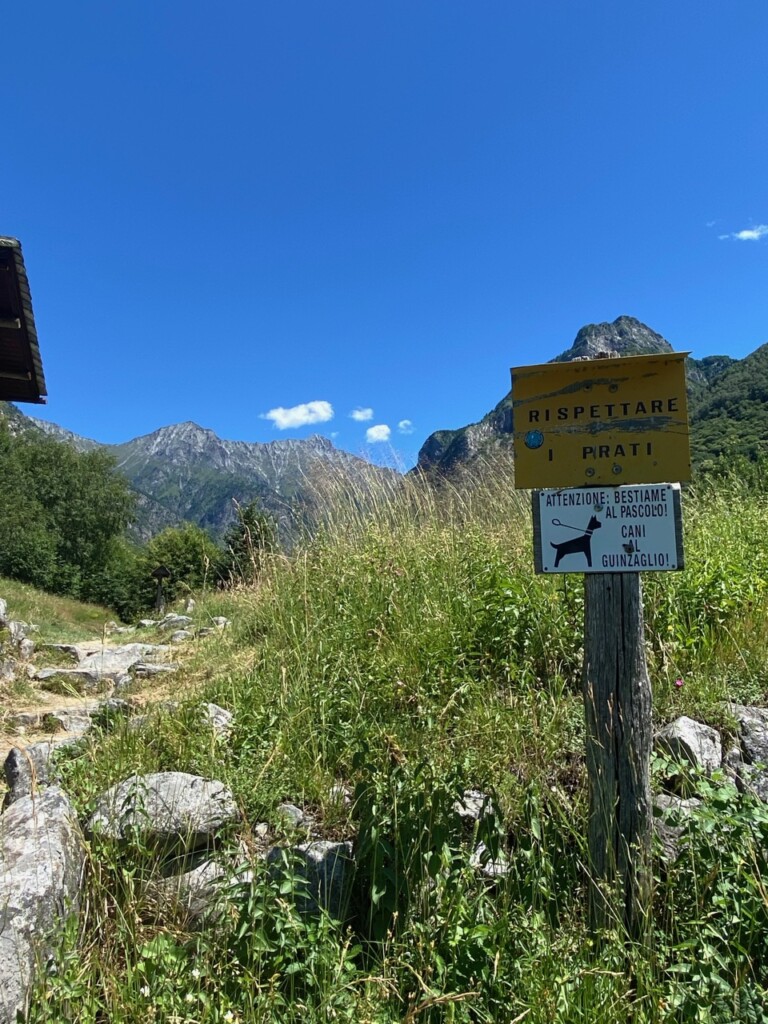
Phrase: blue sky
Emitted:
{"points": [[255, 215]]}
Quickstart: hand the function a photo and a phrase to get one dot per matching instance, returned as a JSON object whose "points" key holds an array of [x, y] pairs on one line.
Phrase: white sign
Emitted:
{"points": [[608, 529]]}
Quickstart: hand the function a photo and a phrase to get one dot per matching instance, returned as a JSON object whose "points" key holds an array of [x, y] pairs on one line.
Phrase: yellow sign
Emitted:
{"points": [[601, 421]]}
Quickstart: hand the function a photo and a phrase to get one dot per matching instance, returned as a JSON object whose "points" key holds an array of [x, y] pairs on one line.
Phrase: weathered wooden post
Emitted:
{"points": [[617, 708], [590, 429], [160, 575]]}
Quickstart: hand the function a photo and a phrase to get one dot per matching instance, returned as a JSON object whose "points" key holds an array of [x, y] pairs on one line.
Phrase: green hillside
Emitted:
{"points": [[730, 416], [408, 655]]}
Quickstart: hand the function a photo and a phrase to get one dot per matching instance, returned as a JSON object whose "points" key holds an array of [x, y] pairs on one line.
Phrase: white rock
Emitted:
{"points": [[219, 719], [26, 649], [173, 621], [688, 740], [42, 855], [324, 870], [166, 806], [473, 805], [291, 815], [18, 631]]}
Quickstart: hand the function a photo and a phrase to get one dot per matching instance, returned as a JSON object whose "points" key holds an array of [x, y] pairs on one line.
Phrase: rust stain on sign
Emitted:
{"points": [[602, 421]]}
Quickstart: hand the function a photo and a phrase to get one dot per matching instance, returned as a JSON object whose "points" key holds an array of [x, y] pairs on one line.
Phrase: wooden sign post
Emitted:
{"points": [[619, 737], [160, 575], [603, 423]]}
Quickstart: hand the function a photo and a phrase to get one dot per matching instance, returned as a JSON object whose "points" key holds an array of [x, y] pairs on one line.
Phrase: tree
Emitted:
{"points": [[60, 511], [187, 552], [248, 539]]}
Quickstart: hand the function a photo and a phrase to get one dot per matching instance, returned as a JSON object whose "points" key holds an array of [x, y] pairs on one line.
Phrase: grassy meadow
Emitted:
{"points": [[408, 652]]}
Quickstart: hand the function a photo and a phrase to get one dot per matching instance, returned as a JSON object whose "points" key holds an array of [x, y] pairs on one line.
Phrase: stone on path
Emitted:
{"points": [[173, 621], [42, 856], [107, 663], [180, 635]]}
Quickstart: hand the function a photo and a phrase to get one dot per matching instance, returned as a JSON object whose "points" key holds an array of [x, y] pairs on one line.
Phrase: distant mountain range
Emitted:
{"points": [[186, 473], [727, 402]]}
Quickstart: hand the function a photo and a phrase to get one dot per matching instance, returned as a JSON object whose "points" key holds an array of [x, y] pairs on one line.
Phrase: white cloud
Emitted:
{"points": [[405, 427], [380, 432], [749, 234], [299, 415], [361, 415]]}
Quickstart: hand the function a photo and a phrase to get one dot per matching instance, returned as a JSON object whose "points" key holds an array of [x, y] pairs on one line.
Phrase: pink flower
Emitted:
{"points": [[678, 683]]}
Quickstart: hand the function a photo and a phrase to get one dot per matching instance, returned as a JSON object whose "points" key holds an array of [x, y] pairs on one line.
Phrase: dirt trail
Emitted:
{"points": [[28, 718]]}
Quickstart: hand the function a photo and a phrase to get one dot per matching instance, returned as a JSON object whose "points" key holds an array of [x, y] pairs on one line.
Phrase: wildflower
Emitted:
{"points": [[144, 991], [678, 682], [189, 997], [195, 973]]}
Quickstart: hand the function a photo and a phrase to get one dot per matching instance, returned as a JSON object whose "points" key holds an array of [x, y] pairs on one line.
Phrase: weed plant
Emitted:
{"points": [[408, 652]]}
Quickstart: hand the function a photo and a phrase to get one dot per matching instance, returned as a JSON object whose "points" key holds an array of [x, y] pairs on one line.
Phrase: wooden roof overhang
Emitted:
{"points": [[21, 368]]}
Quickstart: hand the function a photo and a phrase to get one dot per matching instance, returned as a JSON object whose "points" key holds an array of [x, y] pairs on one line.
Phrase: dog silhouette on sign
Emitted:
{"points": [[582, 544]]}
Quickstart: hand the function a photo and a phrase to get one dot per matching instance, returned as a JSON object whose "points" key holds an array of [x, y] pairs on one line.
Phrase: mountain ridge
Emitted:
{"points": [[184, 472]]}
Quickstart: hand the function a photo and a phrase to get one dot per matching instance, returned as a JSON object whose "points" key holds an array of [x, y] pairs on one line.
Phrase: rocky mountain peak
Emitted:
{"points": [[626, 336]]}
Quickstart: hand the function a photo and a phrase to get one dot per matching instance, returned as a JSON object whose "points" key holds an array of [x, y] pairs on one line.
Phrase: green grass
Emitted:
{"points": [[61, 619], [409, 652]]}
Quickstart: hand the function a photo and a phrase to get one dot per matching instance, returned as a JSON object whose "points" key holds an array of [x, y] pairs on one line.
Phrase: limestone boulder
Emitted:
{"points": [[690, 742], [473, 806], [197, 896], [671, 814], [27, 770], [219, 719], [753, 732], [323, 872], [173, 621], [752, 769], [166, 809], [42, 857]]}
